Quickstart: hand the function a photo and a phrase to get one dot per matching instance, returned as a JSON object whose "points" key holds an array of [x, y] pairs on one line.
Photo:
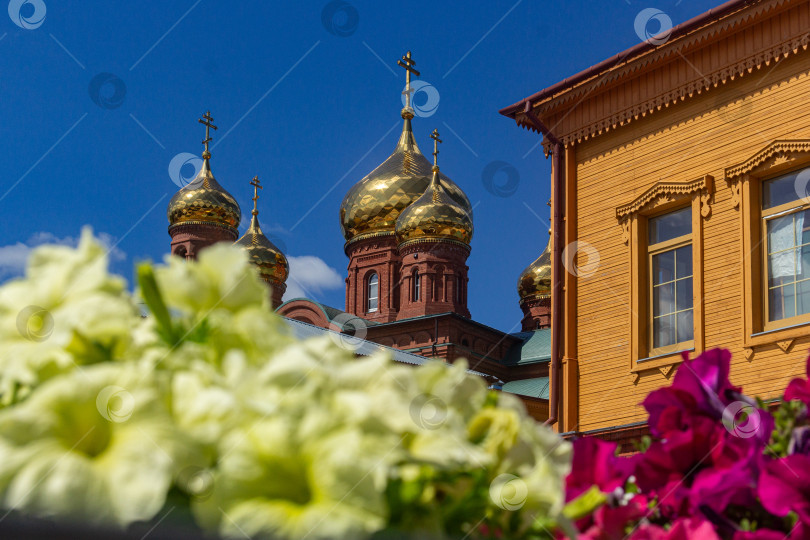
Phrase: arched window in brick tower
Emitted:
{"points": [[372, 292], [417, 286], [438, 285]]}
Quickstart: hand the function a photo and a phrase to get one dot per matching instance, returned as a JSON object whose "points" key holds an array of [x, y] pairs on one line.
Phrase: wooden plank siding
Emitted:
{"points": [[699, 136]]}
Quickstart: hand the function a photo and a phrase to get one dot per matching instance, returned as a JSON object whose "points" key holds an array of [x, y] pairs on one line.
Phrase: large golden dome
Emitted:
{"points": [[434, 215], [535, 280], [204, 201], [263, 253], [372, 206]]}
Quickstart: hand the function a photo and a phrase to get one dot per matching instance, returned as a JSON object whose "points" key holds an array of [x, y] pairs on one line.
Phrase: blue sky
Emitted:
{"points": [[309, 107]]}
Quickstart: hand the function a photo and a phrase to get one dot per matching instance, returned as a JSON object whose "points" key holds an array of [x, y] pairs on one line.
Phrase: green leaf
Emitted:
{"points": [[154, 301], [585, 504]]}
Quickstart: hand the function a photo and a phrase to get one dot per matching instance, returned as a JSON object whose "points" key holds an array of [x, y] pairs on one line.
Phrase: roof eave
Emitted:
{"points": [[640, 48]]}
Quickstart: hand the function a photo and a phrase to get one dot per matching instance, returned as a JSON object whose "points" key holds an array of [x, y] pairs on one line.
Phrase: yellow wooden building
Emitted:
{"points": [[681, 211]]}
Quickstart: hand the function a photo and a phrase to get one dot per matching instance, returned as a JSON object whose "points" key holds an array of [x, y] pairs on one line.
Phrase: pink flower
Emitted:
{"points": [[800, 388], [693, 528], [762, 534], [784, 486], [611, 521], [596, 464]]}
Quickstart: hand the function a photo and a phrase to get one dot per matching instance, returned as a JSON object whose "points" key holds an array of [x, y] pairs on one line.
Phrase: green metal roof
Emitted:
{"points": [[330, 312], [535, 347], [537, 388], [302, 330]]}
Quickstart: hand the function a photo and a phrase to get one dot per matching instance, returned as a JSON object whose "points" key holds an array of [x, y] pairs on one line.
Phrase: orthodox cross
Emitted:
{"points": [[407, 62], [208, 121], [256, 187], [436, 141]]}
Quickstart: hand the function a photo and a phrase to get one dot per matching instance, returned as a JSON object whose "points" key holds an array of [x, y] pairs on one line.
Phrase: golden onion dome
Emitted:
{"points": [[204, 201], [372, 206], [535, 280], [263, 253], [434, 215]]}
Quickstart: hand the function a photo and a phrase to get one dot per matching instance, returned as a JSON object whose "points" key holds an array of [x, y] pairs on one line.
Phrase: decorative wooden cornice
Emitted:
{"points": [[713, 56], [777, 155], [662, 192], [668, 191]]}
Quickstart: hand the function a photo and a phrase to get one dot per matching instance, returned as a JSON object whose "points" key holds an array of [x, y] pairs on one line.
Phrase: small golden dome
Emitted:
{"points": [[535, 280], [434, 215], [204, 201], [372, 206], [263, 253]]}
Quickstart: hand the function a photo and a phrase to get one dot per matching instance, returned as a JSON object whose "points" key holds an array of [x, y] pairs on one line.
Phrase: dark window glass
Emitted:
{"points": [[784, 189], [672, 225]]}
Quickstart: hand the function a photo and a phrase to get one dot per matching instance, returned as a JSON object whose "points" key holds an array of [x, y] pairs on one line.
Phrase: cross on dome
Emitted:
{"points": [[407, 62], [256, 187], [436, 141], [208, 121]]}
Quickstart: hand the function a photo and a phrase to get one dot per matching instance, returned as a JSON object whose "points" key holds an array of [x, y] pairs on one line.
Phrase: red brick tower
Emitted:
{"points": [[534, 289], [203, 212], [369, 213], [433, 237]]}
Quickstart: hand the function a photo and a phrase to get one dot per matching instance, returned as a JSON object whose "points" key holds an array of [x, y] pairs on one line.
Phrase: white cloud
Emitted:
{"points": [[310, 275], [14, 257]]}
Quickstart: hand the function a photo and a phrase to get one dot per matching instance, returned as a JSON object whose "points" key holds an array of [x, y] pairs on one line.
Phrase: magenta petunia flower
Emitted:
{"points": [[595, 464], [762, 534], [694, 528], [800, 388], [784, 486], [611, 521]]}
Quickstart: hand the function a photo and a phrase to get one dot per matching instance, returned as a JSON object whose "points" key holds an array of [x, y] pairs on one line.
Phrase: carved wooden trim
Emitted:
{"points": [[749, 353], [785, 344], [666, 371], [704, 186], [719, 53], [625, 223], [777, 153], [736, 193]]}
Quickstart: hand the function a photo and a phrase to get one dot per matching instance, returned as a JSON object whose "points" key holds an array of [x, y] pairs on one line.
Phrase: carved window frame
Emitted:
{"points": [[745, 181], [633, 217]]}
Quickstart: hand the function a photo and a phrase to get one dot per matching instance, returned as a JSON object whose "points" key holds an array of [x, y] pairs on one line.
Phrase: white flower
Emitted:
{"points": [[96, 445], [67, 311]]}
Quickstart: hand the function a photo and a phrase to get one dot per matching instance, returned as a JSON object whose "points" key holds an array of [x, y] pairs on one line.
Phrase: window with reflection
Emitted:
{"points": [[417, 287], [373, 289], [786, 243], [670, 261]]}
